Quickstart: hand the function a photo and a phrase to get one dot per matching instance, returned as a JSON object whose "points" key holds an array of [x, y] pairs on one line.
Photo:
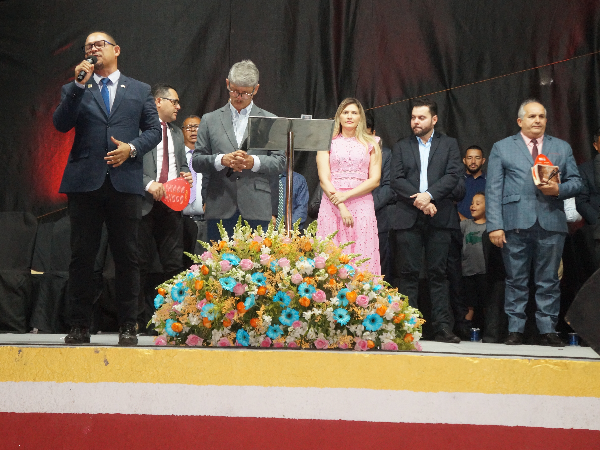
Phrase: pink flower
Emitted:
{"points": [[418, 346], [343, 345], [319, 296], [296, 278], [257, 238], [287, 240], [320, 262], [297, 324], [390, 346], [265, 259], [278, 344], [201, 303], [321, 343], [194, 341], [160, 340], [225, 265], [360, 344], [206, 256], [194, 267], [224, 342], [246, 264], [395, 306], [239, 288], [343, 273], [362, 301], [266, 342], [230, 314], [292, 345], [284, 262]]}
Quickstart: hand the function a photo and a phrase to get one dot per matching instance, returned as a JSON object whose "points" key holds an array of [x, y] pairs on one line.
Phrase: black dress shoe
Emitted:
{"points": [[128, 335], [445, 335], [78, 336], [551, 340], [514, 338]]}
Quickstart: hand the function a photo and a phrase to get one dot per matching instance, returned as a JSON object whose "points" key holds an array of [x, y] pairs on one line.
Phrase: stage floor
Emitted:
{"points": [[470, 349]]}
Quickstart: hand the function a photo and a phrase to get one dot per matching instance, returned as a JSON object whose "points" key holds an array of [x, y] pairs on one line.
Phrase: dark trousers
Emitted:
{"points": [[121, 212], [229, 224], [193, 231], [455, 280], [486, 295], [385, 256], [160, 230], [409, 245]]}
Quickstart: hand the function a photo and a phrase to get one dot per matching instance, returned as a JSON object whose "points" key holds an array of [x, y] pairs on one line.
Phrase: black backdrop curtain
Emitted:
{"points": [[311, 55]]}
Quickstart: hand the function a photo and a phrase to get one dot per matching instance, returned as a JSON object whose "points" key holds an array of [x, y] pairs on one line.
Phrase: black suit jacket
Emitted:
{"points": [[443, 172], [83, 109], [383, 196], [588, 200]]}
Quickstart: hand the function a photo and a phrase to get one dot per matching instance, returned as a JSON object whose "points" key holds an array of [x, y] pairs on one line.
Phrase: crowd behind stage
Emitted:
{"points": [[489, 243]]}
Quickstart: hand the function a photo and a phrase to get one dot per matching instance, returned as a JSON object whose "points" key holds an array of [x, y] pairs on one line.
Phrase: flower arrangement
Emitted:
{"points": [[267, 289]]}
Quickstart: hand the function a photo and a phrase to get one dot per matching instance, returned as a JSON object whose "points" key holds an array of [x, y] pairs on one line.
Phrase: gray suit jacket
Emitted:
{"points": [[512, 200], [247, 191], [151, 167]]}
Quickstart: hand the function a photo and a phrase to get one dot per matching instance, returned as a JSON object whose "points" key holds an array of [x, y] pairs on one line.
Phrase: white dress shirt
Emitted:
{"points": [[195, 208], [159, 157], [112, 85]]}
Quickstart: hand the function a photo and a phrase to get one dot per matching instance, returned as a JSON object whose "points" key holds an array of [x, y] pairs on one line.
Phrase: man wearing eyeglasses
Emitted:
{"points": [[115, 124], [239, 180], [161, 228]]}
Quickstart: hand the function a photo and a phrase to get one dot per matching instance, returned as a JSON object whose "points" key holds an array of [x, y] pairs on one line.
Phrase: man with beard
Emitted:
{"points": [[474, 179], [425, 173]]}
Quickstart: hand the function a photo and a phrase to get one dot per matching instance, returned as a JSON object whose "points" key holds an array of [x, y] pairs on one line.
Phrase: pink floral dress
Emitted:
{"points": [[349, 163]]}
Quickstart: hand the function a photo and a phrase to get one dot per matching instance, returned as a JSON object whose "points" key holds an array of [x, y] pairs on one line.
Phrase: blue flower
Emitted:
{"points": [[274, 331], [250, 302], [189, 276], [282, 297], [413, 321], [209, 311], [289, 316], [158, 301], [306, 290], [350, 270], [372, 322], [377, 288], [259, 279], [168, 328], [243, 337], [178, 292], [342, 297], [233, 259], [274, 267], [228, 283], [341, 316], [390, 299]]}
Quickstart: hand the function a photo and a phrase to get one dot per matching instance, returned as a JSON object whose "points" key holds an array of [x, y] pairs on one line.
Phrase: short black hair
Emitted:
{"points": [[193, 116], [596, 135], [473, 147], [482, 193], [370, 122], [418, 102], [161, 89]]}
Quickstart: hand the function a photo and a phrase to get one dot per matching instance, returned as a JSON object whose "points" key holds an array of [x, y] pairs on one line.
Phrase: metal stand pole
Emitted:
{"points": [[289, 153]]}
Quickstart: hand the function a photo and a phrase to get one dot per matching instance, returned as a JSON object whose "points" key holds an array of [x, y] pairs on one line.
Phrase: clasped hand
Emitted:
{"points": [[238, 160], [548, 187], [338, 197], [423, 202]]}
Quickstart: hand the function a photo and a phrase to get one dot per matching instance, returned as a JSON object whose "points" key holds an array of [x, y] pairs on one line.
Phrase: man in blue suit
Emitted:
{"points": [[528, 222], [103, 179]]}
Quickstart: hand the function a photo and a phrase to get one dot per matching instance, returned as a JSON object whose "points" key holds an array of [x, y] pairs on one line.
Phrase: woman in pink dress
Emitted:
{"points": [[348, 173]]}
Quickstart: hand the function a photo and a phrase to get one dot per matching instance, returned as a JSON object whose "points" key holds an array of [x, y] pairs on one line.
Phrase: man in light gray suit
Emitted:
{"points": [[161, 228], [528, 222], [238, 180]]}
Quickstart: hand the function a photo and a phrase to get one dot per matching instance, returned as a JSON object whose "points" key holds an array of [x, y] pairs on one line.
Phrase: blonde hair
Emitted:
{"points": [[361, 130]]}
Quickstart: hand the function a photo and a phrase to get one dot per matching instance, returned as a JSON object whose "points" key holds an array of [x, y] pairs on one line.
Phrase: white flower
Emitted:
{"points": [[265, 250], [311, 334], [194, 319], [266, 320], [307, 315]]}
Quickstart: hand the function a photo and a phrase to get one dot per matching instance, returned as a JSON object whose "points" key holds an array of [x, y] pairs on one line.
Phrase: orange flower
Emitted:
{"points": [[204, 270], [370, 344], [255, 246], [399, 318], [176, 327], [309, 280], [284, 249], [226, 323], [304, 301], [331, 281], [381, 310], [240, 307], [331, 270], [206, 322], [254, 322], [408, 337], [198, 284], [268, 242], [209, 296], [306, 246], [360, 277], [351, 296], [344, 259], [262, 290], [222, 245]]}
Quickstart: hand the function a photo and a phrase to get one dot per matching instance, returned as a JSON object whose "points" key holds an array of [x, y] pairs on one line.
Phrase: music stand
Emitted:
{"points": [[281, 133]]}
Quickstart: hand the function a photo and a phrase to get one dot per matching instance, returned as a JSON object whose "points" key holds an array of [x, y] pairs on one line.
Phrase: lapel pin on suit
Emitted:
{"points": [[90, 86], [123, 86]]}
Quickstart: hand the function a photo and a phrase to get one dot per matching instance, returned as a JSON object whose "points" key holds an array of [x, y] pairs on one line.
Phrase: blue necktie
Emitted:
{"points": [[104, 92], [281, 203]]}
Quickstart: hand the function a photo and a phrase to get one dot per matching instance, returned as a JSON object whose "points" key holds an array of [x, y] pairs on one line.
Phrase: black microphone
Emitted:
{"points": [[92, 60], [243, 147]]}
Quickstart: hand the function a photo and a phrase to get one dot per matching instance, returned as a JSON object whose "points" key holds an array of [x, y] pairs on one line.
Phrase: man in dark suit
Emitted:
{"points": [[299, 199], [588, 205], [239, 180], [161, 228], [425, 172], [528, 222], [115, 123]]}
